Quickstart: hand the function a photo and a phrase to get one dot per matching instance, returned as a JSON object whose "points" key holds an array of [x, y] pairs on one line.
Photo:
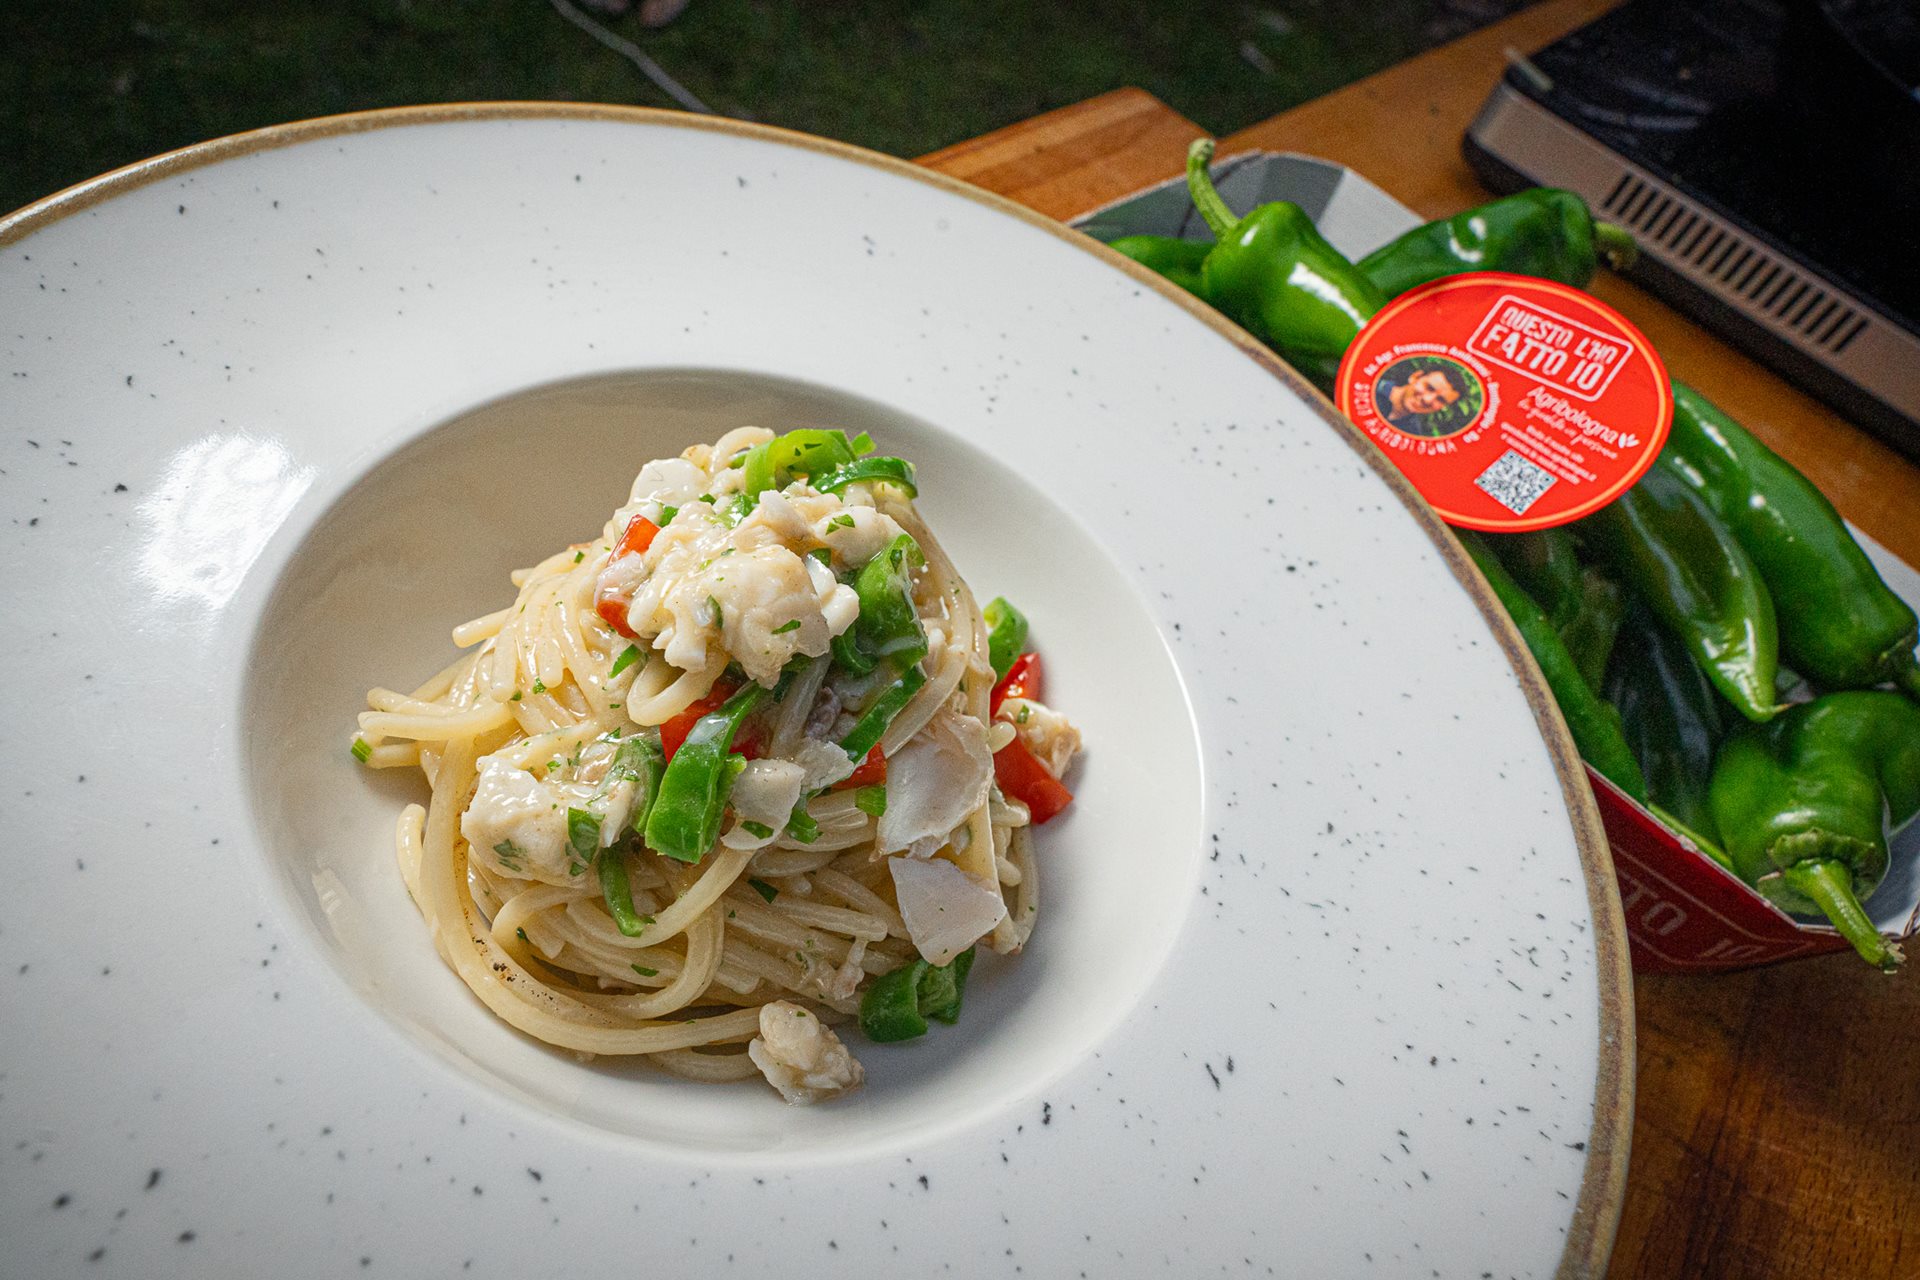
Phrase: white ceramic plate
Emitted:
{"points": [[1329, 978]]}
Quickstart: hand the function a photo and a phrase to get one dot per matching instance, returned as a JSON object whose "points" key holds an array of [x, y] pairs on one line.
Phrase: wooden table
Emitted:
{"points": [[1777, 1125]]}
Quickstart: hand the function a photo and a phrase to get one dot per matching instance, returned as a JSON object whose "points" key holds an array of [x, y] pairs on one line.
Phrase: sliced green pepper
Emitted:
{"points": [[888, 627], [1662, 541], [943, 986], [1275, 275], [618, 892], [1006, 635], [1541, 232], [890, 1009], [685, 819], [872, 725], [896, 471], [1594, 726], [1840, 626], [1805, 804]]}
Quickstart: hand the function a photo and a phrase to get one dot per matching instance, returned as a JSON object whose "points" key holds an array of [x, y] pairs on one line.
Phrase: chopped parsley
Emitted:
{"points": [[539, 685], [801, 825], [509, 854], [522, 935], [871, 800], [764, 889], [667, 514], [628, 656], [759, 830], [515, 697], [783, 628], [842, 521], [1024, 714], [707, 498], [714, 605], [362, 749], [578, 556], [645, 972], [824, 555]]}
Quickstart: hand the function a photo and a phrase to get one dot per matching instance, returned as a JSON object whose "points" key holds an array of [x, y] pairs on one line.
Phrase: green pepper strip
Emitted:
{"points": [[1006, 635], [1275, 275], [890, 1009], [888, 627], [1664, 543], [685, 820], [866, 470], [872, 725], [896, 1005], [1595, 727], [943, 987], [772, 463], [1177, 260], [1805, 804], [1673, 722], [1541, 232], [1840, 626]]}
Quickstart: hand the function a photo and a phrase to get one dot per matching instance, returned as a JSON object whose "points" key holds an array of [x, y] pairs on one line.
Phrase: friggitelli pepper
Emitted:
{"points": [[1541, 232], [1546, 564], [1178, 260], [1839, 624], [1804, 805], [1594, 725], [1664, 543], [1589, 634], [1673, 722], [1275, 275]]}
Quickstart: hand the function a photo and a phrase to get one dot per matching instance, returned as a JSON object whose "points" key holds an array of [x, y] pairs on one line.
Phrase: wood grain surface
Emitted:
{"points": [[1777, 1119]]}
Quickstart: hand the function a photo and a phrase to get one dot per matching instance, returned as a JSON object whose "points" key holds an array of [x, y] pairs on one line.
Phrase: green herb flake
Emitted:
{"points": [[515, 697], [758, 830], [824, 555], [522, 935], [871, 800], [667, 514], [578, 556], [783, 628], [718, 618], [708, 498], [539, 686], [645, 972], [628, 656], [363, 750], [841, 521], [764, 889], [509, 854]]}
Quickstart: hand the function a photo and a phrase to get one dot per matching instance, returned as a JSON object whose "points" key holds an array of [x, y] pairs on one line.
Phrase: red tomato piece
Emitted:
{"points": [[638, 537], [1021, 681], [1024, 778]]}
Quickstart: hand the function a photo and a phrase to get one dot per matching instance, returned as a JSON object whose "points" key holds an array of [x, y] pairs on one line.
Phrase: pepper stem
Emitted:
{"points": [[1206, 196], [1830, 884], [1615, 244]]}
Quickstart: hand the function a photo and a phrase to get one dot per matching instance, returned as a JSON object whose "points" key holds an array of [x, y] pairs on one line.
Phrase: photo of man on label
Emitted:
{"points": [[1428, 396]]}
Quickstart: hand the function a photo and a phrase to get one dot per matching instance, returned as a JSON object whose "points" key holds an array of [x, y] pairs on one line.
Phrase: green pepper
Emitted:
{"points": [[1178, 260], [1275, 275], [1840, 626], [895, 471], [686, 815], [1006, 635], [1546, 564], [1594, 726], [890, 1009], [1662, 541], [1673, 721], [896, 1005], [1589, 634], [1541, 232], [888, 627], [872, 725], [1805, 804], [943, 986]]}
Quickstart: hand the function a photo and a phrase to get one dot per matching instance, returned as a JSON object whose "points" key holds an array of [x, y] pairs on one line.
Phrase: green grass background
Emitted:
{"points": [[91, 86]]}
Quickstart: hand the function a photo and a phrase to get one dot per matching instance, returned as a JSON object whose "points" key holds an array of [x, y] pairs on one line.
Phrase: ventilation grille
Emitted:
{"points": [[1767, 284]]}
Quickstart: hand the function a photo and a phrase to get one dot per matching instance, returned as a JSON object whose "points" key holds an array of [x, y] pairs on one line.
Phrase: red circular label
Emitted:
{"points": [[1511, 403]]}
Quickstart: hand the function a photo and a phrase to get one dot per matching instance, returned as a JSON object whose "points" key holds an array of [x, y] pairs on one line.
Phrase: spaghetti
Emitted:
{"points": [[713, 776]]}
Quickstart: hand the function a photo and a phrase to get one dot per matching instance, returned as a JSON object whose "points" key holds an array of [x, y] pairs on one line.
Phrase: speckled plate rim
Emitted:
{"points": [[1596, 1215]]}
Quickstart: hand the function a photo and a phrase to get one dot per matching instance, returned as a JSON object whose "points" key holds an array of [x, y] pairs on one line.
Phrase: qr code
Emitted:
{"points": [[1515, 483]]}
